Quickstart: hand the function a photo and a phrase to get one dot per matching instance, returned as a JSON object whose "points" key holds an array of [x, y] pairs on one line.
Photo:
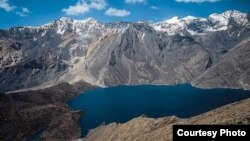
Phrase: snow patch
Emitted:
{"points": [[215, 22]]}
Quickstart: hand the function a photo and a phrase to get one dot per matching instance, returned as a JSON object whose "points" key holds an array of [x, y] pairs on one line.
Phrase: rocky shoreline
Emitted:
{"points": [[148, 129], [25, 113]]}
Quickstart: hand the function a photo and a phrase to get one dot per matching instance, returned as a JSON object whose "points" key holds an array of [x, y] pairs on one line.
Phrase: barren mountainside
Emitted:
{"points": [[233, 71], [120, 53]]}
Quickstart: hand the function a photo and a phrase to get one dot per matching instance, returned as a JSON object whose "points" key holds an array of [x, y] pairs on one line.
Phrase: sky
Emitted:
{"points": [[15, 13]]}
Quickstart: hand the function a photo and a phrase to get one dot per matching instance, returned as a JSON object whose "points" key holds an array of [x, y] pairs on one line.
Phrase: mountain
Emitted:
{"points": [[200, 26], [120, 53], [231, 72]]}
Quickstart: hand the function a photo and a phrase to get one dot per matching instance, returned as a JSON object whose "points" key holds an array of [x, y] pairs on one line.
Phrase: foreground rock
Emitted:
{"points": [[149, 129], [64, 127], [23, 114]]}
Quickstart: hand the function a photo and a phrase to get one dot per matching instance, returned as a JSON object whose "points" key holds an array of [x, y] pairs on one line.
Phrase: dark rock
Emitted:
{"points": [[23, 114]]}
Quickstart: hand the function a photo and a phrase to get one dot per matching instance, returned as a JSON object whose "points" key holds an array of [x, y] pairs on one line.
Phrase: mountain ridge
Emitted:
{"points": [[119, 53], [214, 17]]}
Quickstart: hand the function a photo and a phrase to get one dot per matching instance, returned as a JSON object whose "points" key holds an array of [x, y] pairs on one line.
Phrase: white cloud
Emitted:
{"points": [[6, 6], [84, 6], [98, 4], [117, 12], [154, 7], [196, 1], [79, 8], [24, 12], [135, 1]]}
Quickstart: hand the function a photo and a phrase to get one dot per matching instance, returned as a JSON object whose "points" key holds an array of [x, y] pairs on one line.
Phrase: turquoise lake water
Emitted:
{"points": [[122, 103]]}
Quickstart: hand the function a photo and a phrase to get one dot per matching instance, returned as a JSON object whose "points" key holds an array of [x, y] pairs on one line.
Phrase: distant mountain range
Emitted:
{"points": [[207, 52]]}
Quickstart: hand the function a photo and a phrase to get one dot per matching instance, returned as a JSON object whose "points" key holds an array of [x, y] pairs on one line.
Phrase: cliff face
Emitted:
{"points": [[231, 72], [107, 54], [148, 129]]}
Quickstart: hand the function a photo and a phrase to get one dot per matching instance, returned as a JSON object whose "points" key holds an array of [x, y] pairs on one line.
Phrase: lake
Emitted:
{"points": [[122, 103]]}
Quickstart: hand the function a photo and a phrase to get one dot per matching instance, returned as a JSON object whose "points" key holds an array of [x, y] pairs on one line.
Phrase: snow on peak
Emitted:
{"points": [[78, 26], [236, 15], [88, 24], [175, 25], [189, 19], [221, 21], [214, 22], [170, 26], [240, 18], [90, 19], [173, 20]]}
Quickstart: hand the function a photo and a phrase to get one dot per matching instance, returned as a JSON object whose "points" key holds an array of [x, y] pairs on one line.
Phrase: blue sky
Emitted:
{"points": [[37, 12]]}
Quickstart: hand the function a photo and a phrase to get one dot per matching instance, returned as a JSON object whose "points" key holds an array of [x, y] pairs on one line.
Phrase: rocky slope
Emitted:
{"points": [[24, 114], [231, 72], [148, 129], [106, 54]]}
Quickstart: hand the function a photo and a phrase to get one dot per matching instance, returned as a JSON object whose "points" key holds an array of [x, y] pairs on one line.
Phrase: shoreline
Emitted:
{"points": [[59, 94]]}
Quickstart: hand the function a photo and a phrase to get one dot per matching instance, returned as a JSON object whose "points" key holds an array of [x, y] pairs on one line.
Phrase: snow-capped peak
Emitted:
{"points": [[221, 21], [65, 24], [90, 19], [214, 22], [175, 25], [240, 18], [173, 20], [67, 20], [170, 26], [236, 15], [189, 19]]}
